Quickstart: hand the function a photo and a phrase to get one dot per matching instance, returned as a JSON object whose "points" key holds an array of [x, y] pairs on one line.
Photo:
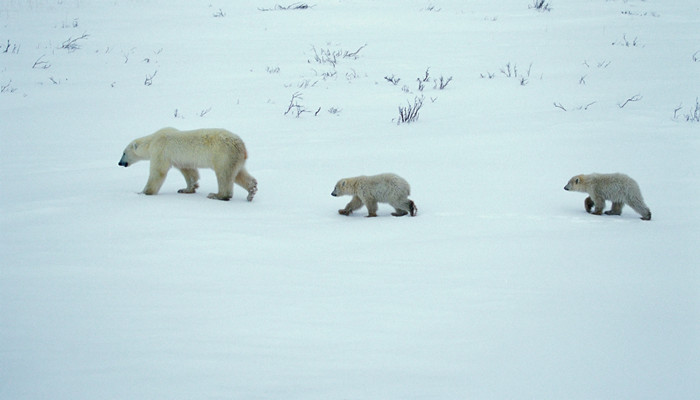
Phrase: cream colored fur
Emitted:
{"points": [[370, 190], [187, 151], [620, 189]]}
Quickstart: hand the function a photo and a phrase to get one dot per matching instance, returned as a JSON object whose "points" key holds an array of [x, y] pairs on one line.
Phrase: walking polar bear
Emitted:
{"points": [[618, 188], [370, 190], [217, 149]]}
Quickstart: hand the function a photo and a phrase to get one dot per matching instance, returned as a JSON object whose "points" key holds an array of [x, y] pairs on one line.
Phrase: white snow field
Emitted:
{"points": [[502, 287]]}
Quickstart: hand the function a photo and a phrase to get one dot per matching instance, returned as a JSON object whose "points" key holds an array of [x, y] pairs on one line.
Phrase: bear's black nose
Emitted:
{"points": [[123, 164]]}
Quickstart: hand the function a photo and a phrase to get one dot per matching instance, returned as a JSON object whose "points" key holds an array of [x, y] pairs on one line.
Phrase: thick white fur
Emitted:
{"points": [[620, 189], [370, 190], [187, 151]]}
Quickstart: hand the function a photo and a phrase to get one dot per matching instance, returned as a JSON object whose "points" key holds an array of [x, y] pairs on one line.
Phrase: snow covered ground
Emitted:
{"points": [[502, 287]]}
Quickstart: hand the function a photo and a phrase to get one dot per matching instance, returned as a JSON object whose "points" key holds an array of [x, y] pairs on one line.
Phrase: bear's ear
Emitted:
{"points": [[342, 183], [577, 181], [134, 145]]}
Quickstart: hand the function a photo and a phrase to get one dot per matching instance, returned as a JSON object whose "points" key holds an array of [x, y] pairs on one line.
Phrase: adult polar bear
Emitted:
{"points": [[217, 149]]}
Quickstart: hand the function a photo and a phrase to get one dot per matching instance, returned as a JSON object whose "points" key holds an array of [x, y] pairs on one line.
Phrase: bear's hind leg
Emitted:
{"points": [[225, 180], [642, 210], [403, 208], [616, 209], [399, 213], [412, 208], [353, 205], [247, 182], [191, 177]]}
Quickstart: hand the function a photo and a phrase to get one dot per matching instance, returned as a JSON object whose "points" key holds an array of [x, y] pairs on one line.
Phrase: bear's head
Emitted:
{"points": [[341, 188], [576, 184], [135, 151]]}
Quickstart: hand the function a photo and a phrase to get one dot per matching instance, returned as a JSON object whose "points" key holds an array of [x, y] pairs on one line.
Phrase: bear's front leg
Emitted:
{"points": [[353, 205], [372, 208], [588, 204], [155, 179], [599, 205]]}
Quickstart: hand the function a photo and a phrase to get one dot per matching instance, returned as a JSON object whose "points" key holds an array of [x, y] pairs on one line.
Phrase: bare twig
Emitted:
{"points": [[442, 83], [293, 6], [392, 79], [8, 88], [588, 105], [409, 113], [296, 107], [355, 53], [39, 63], [149, 78], [540, 5], [693, 114], [293, 102], [72, 44], [426, 78], [634, 98], [15, 48]]}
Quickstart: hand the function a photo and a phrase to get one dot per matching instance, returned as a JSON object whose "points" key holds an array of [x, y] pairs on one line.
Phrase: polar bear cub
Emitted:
{"points": [[618, 188], [187, 151], [370, 190]]}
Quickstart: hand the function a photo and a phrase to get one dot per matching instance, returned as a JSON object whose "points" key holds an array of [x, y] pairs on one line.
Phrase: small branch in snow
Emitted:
{"points": [[561, 107], [442, 83], [72, 44], [15, 48], [8, 88], [392, 79], [293, 6], [693, 114], [296, 107], [409, 113], [149, 78], [634, 98], [39, 63], [540, 5]]}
